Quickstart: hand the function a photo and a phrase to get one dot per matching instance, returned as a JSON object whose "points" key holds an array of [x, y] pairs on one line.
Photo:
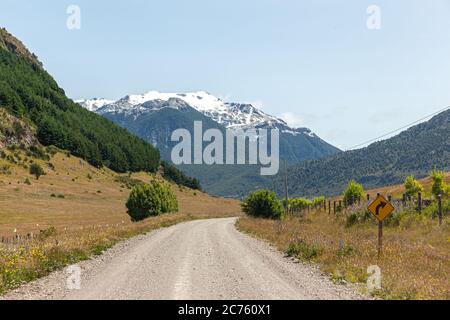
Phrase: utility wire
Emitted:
{"points": [[396, 130]]}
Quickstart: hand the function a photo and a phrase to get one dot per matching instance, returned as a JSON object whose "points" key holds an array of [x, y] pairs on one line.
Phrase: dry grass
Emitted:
{"points": [[415, 263], [33, 259], [91, 197], [85, 215]]}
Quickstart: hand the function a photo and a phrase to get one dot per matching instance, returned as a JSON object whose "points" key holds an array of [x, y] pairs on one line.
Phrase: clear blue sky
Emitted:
{"points": [[314, 61]]}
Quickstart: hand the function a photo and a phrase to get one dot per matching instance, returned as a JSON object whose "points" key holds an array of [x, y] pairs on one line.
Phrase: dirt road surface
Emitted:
{"points": [[203, 259]]}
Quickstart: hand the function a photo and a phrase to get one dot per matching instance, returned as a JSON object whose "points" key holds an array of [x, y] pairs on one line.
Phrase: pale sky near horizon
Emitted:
{"points": [[313, 62]]}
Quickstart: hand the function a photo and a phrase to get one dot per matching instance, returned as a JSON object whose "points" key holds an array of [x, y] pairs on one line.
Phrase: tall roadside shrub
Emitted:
{"points": [[439, 186], [263, 203], [353, 192], [151, 200], [318, 201], [412, 186]]}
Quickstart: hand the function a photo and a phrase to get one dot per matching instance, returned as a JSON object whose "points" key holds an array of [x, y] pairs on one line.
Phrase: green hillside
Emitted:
{"points": [[29, 92], [415, 151]]}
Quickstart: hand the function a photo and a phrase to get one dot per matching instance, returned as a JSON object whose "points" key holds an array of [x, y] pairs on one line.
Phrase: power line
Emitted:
{"points": [[396, 130]]}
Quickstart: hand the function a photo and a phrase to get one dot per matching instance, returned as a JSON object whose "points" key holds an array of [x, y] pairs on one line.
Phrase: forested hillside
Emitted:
{"points": [[415, 151], [29, 92]]}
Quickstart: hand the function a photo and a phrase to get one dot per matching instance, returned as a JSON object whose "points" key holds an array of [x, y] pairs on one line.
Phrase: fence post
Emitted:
{"points": [[419, 201], [329, 206], [390, 198], [368, 197], [334, 207], [440, 209]]}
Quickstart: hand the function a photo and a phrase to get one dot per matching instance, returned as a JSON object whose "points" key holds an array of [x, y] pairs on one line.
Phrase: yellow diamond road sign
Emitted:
{"points": [[381, 208]]}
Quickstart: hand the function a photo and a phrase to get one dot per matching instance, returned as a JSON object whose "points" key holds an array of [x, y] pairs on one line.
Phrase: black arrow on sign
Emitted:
{"points": [[380, 206]]}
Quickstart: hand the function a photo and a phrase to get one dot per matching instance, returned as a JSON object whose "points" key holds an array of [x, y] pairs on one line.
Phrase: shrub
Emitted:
{"points": [[346, 250], [299, 203], [51, 166], [303, 251], [439, 186], [46, 233], [36, 170], [432, 211], [412, 186], [262, 203], [52, 150], [169, 201], [27, 181], [5, 169], [38, 153], [353, 192], [128, 181], [358, 217], [151, 200], [318, 201]]}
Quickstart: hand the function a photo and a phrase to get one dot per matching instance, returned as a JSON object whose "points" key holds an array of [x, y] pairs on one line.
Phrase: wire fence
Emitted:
{"points": [[357, 204]]}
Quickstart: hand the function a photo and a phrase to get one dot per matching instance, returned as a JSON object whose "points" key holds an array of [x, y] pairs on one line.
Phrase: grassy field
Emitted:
{"points": [[415, 263], [77, 211], [75, 194]]}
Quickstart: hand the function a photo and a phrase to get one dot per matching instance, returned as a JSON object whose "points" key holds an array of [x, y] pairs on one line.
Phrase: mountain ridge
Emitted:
{"points": [[154, 116], [415, 151], [231, 115]]}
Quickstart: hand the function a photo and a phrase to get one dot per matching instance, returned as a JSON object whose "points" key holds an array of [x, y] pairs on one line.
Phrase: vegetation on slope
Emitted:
{"points": [[171, 173], [28, 91], [415, 151]]}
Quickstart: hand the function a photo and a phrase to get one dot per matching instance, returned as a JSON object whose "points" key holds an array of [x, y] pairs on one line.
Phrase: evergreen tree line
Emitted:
{"points": [[29, 92], [170, 172]]}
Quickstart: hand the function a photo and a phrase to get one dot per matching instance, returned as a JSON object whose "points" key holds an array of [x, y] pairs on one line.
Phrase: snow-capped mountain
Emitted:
{"points": [[154, 116], [230, 115], [94, 104]]}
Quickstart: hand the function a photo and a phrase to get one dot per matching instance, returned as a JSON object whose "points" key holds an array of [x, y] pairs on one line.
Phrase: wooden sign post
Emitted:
{"points": [[381, 209]]}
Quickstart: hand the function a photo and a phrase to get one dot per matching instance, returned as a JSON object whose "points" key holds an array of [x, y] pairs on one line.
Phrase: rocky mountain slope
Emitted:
{"points": [[134, 111]]}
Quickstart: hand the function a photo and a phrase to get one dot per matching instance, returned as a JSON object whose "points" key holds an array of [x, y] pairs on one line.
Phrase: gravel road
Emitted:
{"points": [[203, 259]]}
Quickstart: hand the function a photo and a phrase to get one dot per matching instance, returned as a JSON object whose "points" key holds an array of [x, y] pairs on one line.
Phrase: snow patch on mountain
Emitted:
{"points": [[94, 104], [230, 115]]}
